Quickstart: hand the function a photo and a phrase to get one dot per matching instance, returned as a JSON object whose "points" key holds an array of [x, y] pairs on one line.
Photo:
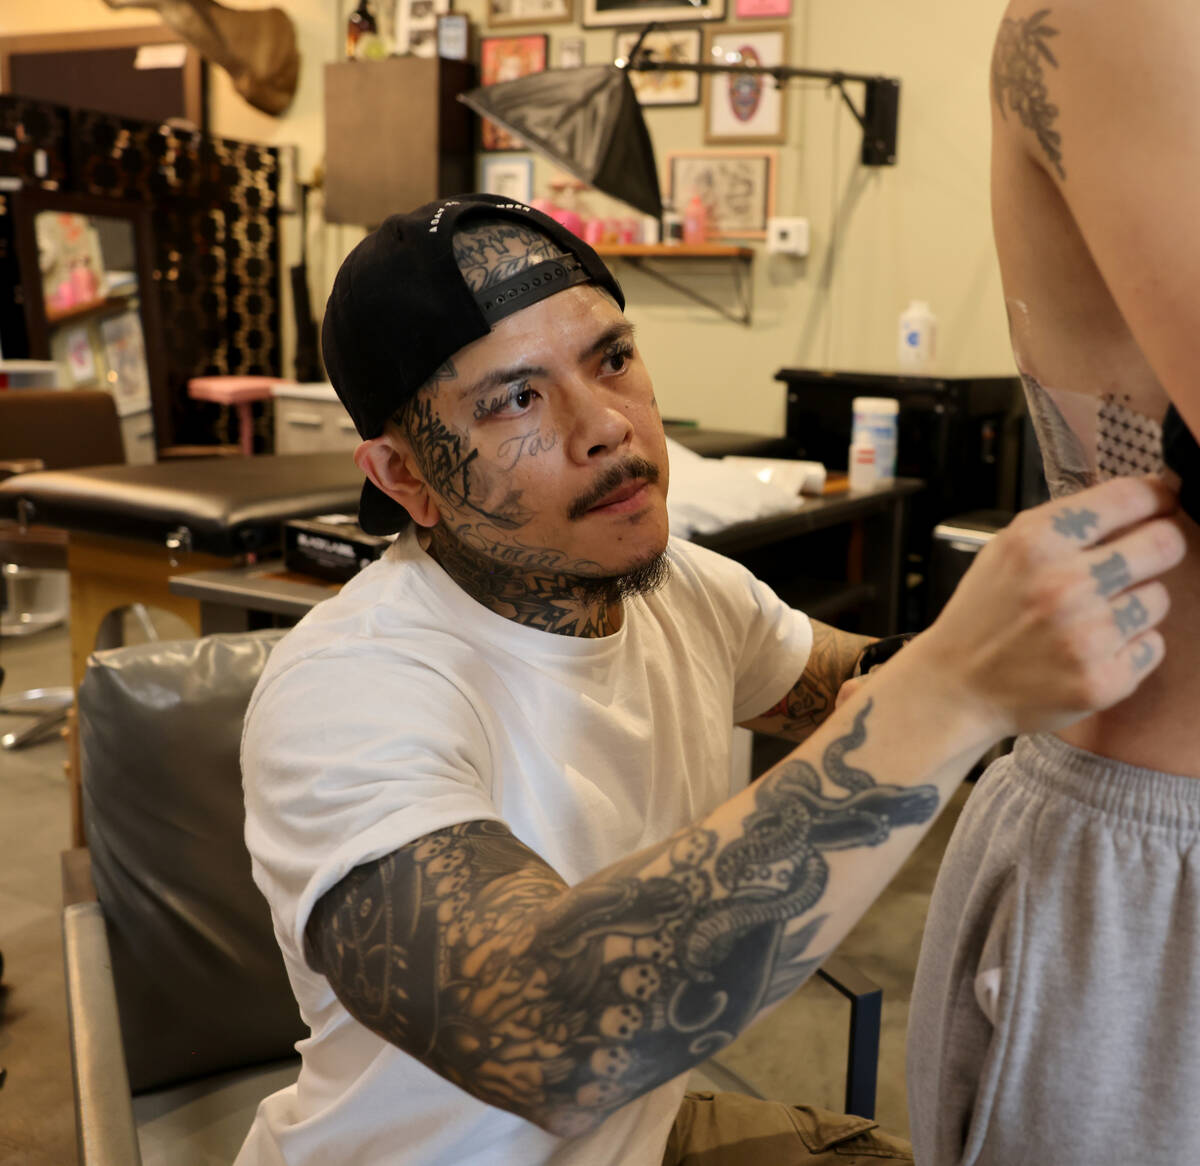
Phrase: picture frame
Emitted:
{"points": [[667, 44], [508, 176], [762, 9], [416, 26], [736, 186], [505, 58], [502, 13], [613, 13], [571, 52], [454, 36], [745, 108]]}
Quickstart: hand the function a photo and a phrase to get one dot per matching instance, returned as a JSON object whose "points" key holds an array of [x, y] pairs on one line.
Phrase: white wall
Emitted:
{"points": [[880, 236]]}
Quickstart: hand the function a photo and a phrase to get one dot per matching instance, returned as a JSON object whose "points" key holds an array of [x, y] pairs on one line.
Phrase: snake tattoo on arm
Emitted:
{"points": [[466, 950]]}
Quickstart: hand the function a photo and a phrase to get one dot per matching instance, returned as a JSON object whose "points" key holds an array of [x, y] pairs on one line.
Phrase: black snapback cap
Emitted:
{"points": [[400, 308]]}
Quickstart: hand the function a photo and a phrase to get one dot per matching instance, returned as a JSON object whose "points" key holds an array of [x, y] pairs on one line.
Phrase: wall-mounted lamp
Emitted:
{"points": [[589, 121]]}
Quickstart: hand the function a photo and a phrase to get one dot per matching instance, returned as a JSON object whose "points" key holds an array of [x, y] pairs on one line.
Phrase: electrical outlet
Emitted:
{"points": [[787, 236]]}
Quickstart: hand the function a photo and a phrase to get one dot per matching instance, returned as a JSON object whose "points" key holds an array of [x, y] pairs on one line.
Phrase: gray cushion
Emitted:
{"points": [[200, 982]]}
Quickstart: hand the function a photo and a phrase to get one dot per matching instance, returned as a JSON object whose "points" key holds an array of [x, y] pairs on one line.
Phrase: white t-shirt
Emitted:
{"points": [[403, 706]]}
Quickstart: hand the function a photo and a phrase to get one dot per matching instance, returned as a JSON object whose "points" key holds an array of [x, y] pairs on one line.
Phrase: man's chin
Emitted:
{"points": [[640, 578]]}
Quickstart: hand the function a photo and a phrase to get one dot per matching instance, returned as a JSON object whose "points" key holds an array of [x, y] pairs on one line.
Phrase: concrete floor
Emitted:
{"points": [[797, 1054]]}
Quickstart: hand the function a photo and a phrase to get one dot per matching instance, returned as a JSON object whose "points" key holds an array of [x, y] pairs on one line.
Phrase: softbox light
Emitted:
{"points": [[586, 120]]}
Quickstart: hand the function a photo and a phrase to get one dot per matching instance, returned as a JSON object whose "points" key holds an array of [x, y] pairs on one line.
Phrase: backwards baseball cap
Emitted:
{"points": [[400, 308]]}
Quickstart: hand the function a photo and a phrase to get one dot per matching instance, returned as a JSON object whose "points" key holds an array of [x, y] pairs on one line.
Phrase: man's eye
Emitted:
{"points": [[618, 358]]}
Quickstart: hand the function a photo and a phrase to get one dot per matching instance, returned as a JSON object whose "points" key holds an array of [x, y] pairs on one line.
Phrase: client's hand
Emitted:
{"points": [[1055, 617]]}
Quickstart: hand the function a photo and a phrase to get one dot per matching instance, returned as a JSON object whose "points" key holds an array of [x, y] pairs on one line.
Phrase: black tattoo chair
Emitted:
{"points": [[180, 1014]]}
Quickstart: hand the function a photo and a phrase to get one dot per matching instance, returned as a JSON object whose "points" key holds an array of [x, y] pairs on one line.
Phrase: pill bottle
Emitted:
{"points": [[876, 424]]}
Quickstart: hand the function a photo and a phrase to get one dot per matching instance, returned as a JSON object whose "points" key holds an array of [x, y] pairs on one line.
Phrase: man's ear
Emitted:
{"points": [[388, 462]]}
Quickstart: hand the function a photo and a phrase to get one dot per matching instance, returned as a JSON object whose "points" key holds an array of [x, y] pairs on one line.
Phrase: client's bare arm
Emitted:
{"points": [[562, 1003]]}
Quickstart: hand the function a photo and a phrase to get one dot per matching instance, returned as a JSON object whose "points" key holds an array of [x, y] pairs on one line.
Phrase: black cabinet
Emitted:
{"points": [[963, 436]]}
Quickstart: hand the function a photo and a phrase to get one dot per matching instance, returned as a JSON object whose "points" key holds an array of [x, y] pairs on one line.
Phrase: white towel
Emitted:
{"points": [[707, 495]]}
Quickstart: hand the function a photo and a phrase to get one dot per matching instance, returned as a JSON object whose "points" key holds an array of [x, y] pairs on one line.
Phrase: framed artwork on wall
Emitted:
{"points": [[505, 58], [453, 37], [737, 188], [757, 9], [508, 177], [668, 44], [571, 52], [416, 26], [610, 13], [502, 12], [743, 107]]}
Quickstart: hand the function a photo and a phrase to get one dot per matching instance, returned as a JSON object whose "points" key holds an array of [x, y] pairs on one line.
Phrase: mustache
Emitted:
{"points": [[632, 467]]}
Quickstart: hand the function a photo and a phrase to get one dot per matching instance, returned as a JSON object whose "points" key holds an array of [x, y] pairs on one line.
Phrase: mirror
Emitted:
{"points": [[87, 278]]}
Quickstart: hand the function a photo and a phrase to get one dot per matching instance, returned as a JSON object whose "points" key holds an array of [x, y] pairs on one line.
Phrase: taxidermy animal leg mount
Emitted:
{"points": [[256, 47]]}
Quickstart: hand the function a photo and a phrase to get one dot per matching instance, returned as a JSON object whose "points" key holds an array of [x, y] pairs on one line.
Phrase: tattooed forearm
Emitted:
{"points": [[830, 664], [1019, 83], [562, 1004]]}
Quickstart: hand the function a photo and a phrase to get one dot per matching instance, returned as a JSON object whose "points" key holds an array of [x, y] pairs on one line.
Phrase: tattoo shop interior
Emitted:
{"points": [[808, 262]]}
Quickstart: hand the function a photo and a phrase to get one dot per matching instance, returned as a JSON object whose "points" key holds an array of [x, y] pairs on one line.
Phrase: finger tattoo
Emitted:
{"points": [[1076, 523], [1142, 655], [1113, 574], [1132, 616]]}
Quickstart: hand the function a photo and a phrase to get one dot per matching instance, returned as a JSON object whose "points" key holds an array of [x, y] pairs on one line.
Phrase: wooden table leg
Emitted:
{"points": [[108, 574]]}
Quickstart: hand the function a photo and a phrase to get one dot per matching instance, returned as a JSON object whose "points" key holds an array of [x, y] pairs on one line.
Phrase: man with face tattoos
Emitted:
{"points": [[487, 784], [1058, 991]]}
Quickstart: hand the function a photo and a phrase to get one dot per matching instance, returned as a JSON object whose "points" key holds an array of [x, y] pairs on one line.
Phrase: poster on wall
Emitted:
{"points": [[607, 13], [502, 12], [510, 178], [744, 107], [416, 26], [125, 354], [505, 58], [737, 188], [669, 45]]}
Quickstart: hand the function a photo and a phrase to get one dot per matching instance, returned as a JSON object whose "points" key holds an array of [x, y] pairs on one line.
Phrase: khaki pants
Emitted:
{"points": [[731, 1129]]}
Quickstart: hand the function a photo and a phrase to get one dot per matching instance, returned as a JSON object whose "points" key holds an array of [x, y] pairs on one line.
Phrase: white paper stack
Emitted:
{"points": [[793, 476]]}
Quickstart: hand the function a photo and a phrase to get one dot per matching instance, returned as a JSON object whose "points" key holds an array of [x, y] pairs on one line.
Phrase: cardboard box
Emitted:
{"points": [[330, 546]]}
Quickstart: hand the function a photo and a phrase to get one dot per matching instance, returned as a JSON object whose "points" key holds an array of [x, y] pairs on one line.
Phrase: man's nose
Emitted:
{"points": [[598, 423]]}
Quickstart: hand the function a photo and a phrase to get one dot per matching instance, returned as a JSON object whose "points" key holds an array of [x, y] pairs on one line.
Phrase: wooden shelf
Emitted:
{"points": [[675, 250], [737, 259], [78, 311]]}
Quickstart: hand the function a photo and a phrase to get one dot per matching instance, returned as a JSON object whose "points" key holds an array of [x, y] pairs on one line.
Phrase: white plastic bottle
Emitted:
{"points": [[875, 427], [917, 338]]}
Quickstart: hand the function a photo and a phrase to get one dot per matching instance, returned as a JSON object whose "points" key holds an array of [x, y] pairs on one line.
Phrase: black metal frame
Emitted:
{"points": [[879, 118]]}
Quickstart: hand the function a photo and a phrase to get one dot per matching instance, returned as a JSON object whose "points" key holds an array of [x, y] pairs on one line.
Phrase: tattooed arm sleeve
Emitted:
{"points": [[563, 1003], [811, 699]]}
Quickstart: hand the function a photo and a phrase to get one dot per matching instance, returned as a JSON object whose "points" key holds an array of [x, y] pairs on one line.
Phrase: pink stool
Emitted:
{"points": [[238, 391]]}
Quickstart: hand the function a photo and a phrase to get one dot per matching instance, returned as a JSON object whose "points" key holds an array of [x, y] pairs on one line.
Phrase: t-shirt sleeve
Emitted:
{"points": [[345, 760], [768, 641]]}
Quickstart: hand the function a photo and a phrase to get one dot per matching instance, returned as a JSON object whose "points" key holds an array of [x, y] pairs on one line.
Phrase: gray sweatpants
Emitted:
{"points": [[1056, 1012]]}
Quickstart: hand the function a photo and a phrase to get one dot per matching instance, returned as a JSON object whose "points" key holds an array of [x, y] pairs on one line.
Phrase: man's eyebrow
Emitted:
{"points": [[622, 330], [499, 377]]}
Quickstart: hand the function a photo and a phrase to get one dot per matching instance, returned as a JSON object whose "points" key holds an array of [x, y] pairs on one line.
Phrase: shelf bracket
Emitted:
{"points": [[743, 286]]}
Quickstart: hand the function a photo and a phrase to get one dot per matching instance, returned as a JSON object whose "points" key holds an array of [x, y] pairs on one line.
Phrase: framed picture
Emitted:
{"points": [[125, 355], [737, 188], [505, 58], [610, 13], [502, 12], [756, 9], [744, 107], [671, 44], [571, 52], [416, 26], [453, 37], [508, 177]]}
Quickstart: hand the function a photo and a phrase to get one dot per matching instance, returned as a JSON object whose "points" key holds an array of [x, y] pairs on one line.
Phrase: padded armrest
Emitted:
{"points": [[11, 466], [105, 1128]]}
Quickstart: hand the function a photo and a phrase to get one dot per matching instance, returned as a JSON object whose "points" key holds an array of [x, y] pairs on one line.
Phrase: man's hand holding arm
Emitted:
{"points": [[562, 1003]]}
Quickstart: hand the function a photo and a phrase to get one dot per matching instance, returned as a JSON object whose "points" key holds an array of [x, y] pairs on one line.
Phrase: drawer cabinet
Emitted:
{"points": [[307, 425]]}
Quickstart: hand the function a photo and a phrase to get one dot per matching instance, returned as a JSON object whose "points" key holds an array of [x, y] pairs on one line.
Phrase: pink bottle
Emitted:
{"points": [[695, 221]]}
